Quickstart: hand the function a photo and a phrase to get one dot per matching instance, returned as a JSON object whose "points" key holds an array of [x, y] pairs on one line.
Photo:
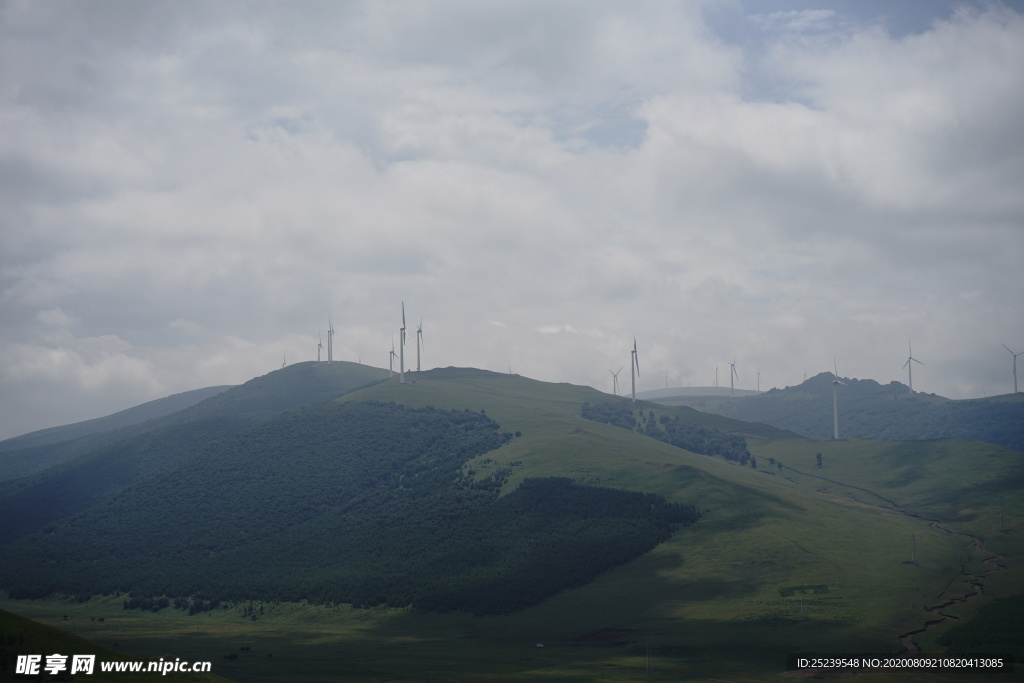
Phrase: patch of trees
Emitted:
{"points": [[362, 503], [671, 430]]}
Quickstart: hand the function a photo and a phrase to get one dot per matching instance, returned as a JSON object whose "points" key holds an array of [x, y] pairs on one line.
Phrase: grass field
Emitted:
{"points": [[798, 559]]}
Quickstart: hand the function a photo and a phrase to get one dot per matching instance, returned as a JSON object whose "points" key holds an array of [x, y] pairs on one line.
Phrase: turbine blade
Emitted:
{"points": [[1010, 350]]}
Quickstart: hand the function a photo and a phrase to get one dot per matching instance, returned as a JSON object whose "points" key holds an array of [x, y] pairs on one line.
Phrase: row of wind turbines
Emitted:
{"points": [[391, 358], [634, 368], [634, 365]]}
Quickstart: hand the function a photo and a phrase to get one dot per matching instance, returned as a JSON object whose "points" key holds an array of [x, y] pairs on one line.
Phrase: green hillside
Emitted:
{"points": [[358, 503], [114, 459], [786, 556], [867, 408]]}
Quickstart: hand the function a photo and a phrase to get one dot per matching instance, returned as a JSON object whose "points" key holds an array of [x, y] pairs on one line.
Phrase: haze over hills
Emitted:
{"points": [[309, 382], [551, 511], [124, 418], [672, 392], [870, 409], [29, 453]]}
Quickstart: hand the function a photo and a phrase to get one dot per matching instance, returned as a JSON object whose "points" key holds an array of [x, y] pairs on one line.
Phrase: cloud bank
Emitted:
{"points": [[190, 190]]}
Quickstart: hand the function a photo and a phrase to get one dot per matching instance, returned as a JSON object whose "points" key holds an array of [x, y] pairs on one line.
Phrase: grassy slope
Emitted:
{"points": [[19, 635], [708, 599]]}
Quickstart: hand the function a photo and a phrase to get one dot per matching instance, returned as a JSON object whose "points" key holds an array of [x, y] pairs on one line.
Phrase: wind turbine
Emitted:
{"points": [[284, 360], [1014, 366], [330, 341], [634, 364], [615, 382], [401, 349], [835, 399], [731, 375], [716, 377], [909, 367], [759, 379], [391, 359], [419, 343], [319, 345]]}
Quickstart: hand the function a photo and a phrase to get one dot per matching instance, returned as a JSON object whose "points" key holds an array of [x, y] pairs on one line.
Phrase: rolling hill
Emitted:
{"points": [[447, 526], [869, 409]]}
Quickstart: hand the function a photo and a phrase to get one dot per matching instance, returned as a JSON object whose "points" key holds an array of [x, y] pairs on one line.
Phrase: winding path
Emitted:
{"points": [[975, 580]]}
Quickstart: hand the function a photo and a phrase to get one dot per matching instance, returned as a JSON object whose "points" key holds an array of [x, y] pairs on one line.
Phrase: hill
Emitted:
{"points": [[867, 408], [433, 529], [33, 452], [97, 466]]}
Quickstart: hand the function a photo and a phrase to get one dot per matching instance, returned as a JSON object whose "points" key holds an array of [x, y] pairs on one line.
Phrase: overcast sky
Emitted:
{"points": [[190, 189]]}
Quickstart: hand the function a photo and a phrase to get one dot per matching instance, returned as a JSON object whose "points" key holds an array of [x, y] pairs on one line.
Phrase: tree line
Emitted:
{"points": [[671, 430]]}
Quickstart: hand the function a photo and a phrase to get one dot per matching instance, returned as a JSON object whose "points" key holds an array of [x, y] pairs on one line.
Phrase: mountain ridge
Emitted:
{"points": [[869, 409]]}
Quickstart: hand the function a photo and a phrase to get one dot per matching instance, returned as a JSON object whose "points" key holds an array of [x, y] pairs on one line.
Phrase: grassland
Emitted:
{"points": [[798, 559]]}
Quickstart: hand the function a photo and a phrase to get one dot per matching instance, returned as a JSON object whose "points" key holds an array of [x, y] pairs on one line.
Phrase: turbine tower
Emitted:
{"points": [[319, 345], [835, 400], [731, 375], [419, 343], [615, 382], [401, 349], [391, 359], [909, 367], [1014, 366], [284, 359], [330, 341], [634, 364]]}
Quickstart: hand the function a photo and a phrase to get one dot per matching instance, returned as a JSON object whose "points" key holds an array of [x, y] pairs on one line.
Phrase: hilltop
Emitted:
{"points": [[447, 524], [869, 409]]}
